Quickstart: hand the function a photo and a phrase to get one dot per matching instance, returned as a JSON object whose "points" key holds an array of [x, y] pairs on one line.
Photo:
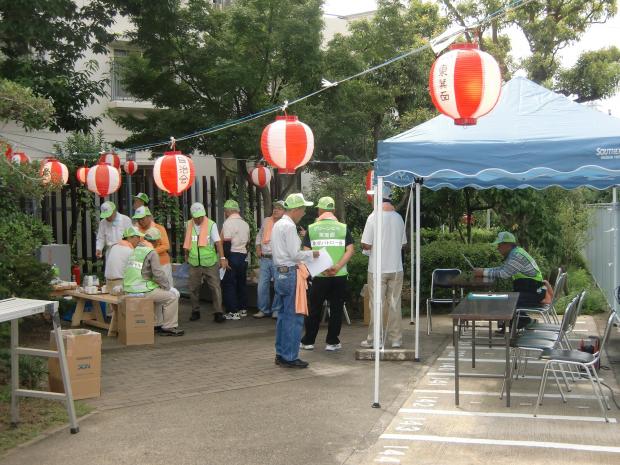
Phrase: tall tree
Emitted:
{"points": [[44, 45]]}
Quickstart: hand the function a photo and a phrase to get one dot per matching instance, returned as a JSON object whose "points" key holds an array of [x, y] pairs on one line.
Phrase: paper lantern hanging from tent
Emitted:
{"points": [[103, 179], [8, 151], [20, 158], [465, 83], [53, 171], [174, 172], [287, 144], [81, 174], [260, 176], [130, 167], [110, 158], [369, 177]]}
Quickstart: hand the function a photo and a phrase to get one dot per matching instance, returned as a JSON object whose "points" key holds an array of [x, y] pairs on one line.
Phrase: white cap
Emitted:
{"points": [[387, 191], [197, 210]]}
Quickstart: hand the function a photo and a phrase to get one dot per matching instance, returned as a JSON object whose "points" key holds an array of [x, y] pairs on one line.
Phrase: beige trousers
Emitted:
{"points": [[211, 274], [169, 304], [391, 289]]}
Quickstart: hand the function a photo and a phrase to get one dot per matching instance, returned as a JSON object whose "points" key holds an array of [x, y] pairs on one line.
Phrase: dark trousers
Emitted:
{"points": [[530, 294], [233, 284], [333, 289]]}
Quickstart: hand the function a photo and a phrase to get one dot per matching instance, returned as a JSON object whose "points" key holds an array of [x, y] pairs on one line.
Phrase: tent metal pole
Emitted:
{"points": [[418, 190], [376, 251], [412, 255], [615, 239]]}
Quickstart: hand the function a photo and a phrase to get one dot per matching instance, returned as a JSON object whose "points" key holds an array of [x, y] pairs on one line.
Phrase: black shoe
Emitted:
{"points": [[279, 360], [195, 315], [157, 329], [171, 332], [294, 364], [219, 317]]}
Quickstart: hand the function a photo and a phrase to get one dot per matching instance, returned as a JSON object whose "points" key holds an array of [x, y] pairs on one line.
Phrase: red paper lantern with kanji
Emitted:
{"points": [[369, 176], [81, 174], [465, 83], [110, 158], [174, 172], [130, 167], [20, 158], [53, 171], [103, 179], [260, 176], [287, 144]]}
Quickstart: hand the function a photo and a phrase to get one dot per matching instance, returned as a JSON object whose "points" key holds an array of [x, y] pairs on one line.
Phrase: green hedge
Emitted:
{"points": [[577, 281]]}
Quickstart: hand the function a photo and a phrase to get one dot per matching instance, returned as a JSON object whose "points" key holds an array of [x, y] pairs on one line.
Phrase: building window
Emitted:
{"points": [[118, 91]]}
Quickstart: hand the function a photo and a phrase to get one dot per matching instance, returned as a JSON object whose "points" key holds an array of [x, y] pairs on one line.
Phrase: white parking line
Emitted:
{"points": [[489, 360], [486, 375], [529, 416], [502, 442], [496, 394]]}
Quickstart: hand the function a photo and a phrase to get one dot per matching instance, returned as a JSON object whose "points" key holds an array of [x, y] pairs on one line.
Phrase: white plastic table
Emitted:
{"points": [[12, 310]]}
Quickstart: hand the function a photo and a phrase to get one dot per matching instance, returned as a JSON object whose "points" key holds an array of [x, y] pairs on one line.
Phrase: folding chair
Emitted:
{"points": [[441, 278], [548, 312], [327, 310], [582, 360]]}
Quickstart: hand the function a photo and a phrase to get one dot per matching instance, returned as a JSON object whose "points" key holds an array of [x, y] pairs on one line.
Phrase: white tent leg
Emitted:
{"points": [[412, 258], [376, 245], [615, 248], [418, 189]]}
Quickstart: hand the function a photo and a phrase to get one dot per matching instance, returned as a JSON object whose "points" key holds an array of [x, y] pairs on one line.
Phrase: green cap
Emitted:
{"points": [[231, 205], [107, 210], [141, 212], [197, 210], [278, 204], [296, 201], [152, 234], [505, 237], [326, 203], [132, 232], [142, 196]]}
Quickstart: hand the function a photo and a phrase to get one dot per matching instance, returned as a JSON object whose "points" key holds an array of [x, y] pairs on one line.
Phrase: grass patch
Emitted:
{"points": [[578, 280], [36, 416]]}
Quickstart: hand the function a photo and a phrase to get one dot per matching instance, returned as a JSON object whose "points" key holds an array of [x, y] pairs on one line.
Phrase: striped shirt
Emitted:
{"points": [[514, 263]]}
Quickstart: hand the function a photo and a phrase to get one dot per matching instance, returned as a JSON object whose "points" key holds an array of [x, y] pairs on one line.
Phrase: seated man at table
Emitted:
{"points": [[119, 256], [518, 265], [144, 275]]}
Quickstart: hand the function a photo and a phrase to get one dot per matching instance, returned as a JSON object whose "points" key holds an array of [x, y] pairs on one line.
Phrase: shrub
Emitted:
{"points": [[579, 279]]}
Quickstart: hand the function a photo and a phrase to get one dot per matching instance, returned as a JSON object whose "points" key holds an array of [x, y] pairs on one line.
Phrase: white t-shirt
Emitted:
{"points": [[213, 237], [393, 238], [237, 231]]}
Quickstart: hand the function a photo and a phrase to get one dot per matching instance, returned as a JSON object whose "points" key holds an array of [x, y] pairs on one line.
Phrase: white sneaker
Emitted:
{"points": [[395, 345], [260, 314], [232, 316], [306, 346], [243, 313], [274, 315], [333, 347], [367, 344]]}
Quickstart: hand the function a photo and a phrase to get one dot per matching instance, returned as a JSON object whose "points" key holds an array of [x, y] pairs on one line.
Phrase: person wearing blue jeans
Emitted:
{"points": [[287, 254], [266, 270]]}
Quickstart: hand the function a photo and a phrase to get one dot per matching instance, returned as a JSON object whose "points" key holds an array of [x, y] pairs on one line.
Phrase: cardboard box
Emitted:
{"points": [[366, 297], [83, 352], [136, 319]]}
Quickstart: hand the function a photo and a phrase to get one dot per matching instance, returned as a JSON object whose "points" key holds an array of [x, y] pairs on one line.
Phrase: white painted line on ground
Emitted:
{"points": [[529, 416], [496, 394], [467, 374], [489, 360], [502, 442], [579, 331]]}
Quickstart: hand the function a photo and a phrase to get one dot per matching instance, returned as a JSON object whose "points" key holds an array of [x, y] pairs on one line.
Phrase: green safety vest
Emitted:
{"points": [[538, 276], [133, 281], [206, 255], [331, 235]]}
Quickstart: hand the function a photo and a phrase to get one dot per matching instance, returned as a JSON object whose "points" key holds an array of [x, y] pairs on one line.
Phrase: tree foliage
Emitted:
{"points": [[44, 45], [19, 104]]}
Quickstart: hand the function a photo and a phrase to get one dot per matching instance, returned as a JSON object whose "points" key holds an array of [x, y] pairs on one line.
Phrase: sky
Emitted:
{"points": [[598, 36]]}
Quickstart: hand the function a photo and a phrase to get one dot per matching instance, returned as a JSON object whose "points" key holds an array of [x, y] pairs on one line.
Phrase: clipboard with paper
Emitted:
{"points": [[321, 263]]}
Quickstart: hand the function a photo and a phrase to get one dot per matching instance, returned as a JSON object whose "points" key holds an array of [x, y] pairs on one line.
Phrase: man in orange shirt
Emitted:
{"points": [[145, 221]]}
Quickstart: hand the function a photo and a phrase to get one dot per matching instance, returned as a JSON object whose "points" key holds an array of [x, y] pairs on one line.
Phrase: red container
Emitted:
{"points": [[75, 271]]}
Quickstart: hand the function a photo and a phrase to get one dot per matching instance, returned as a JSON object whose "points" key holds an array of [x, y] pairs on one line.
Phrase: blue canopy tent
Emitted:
{"points": [[532, 138]]}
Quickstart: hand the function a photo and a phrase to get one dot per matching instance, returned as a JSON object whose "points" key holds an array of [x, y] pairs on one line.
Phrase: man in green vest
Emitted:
{"points": [[519, 266], [205, 254], [144, 276], [327, 233]]}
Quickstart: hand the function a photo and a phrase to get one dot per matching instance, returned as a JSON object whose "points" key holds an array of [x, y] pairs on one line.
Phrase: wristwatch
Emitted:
{"points": [[223, 258]]}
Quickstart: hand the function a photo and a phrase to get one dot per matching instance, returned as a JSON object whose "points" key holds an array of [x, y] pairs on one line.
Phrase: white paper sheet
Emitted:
{"points": [[319, 264], [222, 273]]}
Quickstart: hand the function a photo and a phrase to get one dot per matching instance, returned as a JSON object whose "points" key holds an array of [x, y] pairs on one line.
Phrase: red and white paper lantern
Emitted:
{"points": [[465, 83], [103, 179], [81, 174], [110, 158], [20, 158], [130, 167], [260, 176], [369, 176], [53, 171], [8, 152], [287, 144], [174, 172]]}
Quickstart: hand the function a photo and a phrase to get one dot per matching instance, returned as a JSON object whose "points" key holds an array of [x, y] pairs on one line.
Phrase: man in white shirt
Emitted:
{"points": [[111, 227], [236, 235], [267, 272], [287, 254], [394, 238], [118, 257]]}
